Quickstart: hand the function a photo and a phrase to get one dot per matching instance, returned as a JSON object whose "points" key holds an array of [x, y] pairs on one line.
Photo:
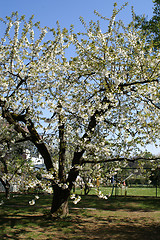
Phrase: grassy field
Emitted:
{"points": [[130, 191], [92, 218]]}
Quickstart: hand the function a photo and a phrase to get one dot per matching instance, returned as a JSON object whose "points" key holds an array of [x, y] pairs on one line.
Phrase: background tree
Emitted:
{"points": [[102, 102], [7, 156], [155, 178], [15, 164], [152, 26]]}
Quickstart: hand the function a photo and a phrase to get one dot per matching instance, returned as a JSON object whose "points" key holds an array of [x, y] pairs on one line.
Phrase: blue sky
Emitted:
{"points": [[67, 12]]}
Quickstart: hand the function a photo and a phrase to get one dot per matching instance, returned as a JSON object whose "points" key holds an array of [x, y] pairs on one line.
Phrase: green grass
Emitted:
{"points": [[118, 203], [143, 192], [92, 218], [19, 204], [130, 191]]}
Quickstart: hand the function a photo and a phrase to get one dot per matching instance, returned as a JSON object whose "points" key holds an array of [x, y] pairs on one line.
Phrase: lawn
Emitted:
{"points": [[92, 218], [130, 191]]}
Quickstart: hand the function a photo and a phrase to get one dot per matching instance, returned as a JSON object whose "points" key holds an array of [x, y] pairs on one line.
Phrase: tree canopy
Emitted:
{"points": [[101, 104]]}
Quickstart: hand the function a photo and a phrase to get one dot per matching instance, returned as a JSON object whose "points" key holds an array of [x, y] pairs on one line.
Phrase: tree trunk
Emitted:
{"points": [[60, 201], [7, 189], [6, 186], [86, 189], [62, 150]]}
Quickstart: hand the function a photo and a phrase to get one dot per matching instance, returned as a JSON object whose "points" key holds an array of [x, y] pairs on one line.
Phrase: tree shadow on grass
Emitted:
{"points": [[82, 226], [115, 204], [11, 227], [114, 228], [125, 231]]}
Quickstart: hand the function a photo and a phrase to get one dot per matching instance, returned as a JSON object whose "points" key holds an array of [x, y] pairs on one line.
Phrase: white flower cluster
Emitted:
{"points": [[2, 202], [101, 195], [16, 24], [33, 201], [6, 177], [48, 190], [75, 198], [48, 176], [33, 183]]}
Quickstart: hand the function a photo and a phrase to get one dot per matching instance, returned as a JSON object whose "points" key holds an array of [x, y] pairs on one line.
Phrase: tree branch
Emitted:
{"points": [[151, 101], [14, 119], [121, 85], [22, 80], [77, 158]]}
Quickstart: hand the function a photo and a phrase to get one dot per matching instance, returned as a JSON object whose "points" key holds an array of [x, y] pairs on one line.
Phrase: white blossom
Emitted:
{"points": [[32, 202], [2, 202], [77, 199]]}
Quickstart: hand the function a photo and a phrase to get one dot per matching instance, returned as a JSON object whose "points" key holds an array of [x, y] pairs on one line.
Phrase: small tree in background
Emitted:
{"points": [[16, 168], [155, 178]]}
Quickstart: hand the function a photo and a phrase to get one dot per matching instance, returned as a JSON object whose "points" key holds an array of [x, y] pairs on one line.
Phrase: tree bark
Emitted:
{"points": [[6, 186], [62, 150], [60, 201], [5, 183], [7, 189], [86, 189]]}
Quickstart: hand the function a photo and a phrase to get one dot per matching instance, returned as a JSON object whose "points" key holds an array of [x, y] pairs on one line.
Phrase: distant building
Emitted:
{"points": [[37, 161]]}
